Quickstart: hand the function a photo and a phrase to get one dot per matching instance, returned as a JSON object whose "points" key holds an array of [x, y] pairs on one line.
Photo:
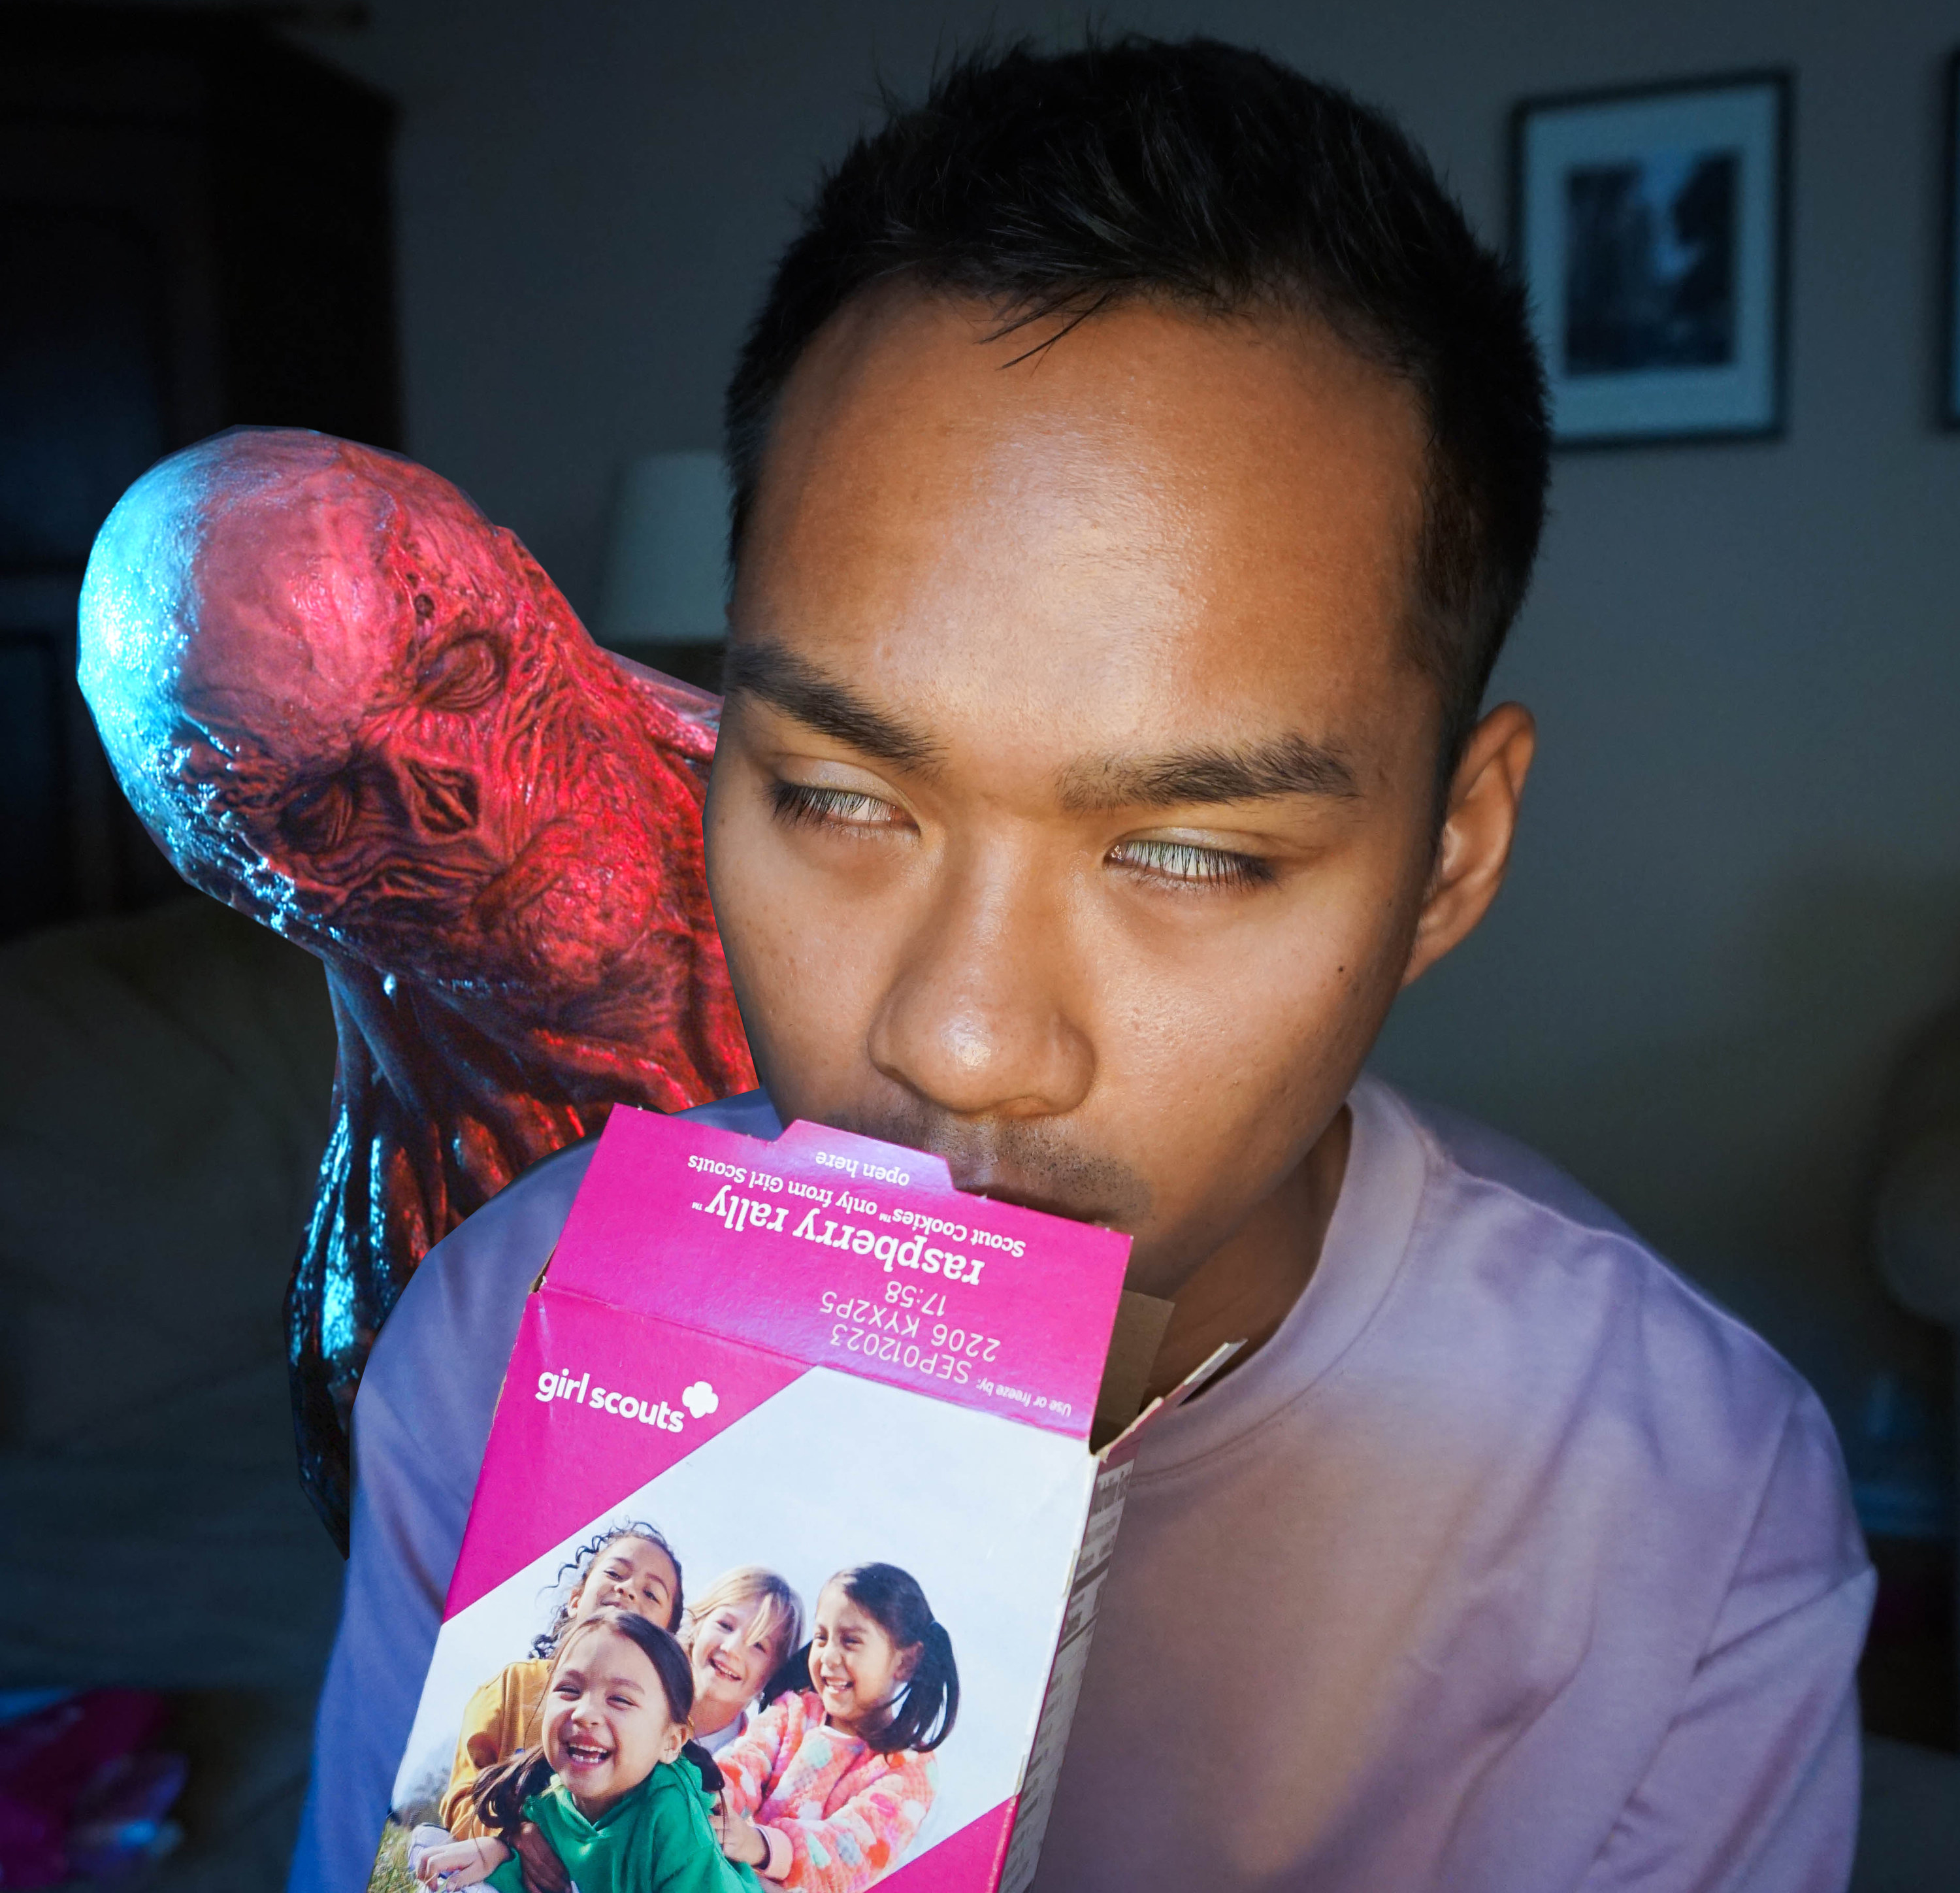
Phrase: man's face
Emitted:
{"points": [[1072, 812]]}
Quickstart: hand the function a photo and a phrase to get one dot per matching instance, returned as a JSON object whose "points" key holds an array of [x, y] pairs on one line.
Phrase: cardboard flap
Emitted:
{"points": [[1178, 1395], [1140, 1322], [921, 1169]]}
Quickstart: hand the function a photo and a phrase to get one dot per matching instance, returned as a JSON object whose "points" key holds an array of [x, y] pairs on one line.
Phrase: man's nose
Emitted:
{"points": [[979, 1020]]}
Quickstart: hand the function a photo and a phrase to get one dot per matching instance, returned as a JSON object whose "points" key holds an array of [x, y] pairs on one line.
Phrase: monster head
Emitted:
{"points": [[344, 701]]}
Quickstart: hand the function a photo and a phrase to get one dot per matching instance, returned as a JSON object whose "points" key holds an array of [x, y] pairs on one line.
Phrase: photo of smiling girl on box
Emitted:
{"points": [[609, 1786], [739, 1634], [736, 1636], [629, 1567], [831, 1786]]}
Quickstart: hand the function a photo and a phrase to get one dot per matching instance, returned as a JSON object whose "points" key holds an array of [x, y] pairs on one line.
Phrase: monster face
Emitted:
{"points": [[344, 700]]}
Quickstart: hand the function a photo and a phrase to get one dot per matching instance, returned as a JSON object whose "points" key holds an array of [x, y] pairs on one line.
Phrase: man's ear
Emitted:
{"points": [[1475, 846]]}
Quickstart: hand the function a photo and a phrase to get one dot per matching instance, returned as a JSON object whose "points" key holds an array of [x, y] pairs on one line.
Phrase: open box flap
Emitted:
{"points": [[1139, 1332], [1178, 1395]]}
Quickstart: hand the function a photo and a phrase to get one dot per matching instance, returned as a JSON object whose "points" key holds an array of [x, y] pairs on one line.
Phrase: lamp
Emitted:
{"points": [[664, 560]]}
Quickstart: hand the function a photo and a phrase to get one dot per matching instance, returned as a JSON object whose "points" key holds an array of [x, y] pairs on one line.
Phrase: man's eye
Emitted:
{"points": [[801, 804], [1185, 865]]}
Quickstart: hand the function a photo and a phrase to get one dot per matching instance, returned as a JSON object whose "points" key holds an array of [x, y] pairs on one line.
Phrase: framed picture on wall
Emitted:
{"points": [[1949, 328], [1649, 224]]}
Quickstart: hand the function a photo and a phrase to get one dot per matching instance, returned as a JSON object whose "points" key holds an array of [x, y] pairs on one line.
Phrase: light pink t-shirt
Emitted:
{"points": [[1510, 1565]]}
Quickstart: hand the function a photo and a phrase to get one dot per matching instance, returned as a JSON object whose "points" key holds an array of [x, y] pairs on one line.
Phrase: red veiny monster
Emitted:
{"points": [[346, 704]]}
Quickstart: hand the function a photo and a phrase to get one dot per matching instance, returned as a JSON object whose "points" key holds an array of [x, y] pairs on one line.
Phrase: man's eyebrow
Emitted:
{"points": [[793, 685], [1288, 765]]}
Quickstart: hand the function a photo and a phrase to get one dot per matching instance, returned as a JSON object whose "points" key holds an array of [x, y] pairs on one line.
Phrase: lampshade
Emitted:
{"points": [[664, 557]]}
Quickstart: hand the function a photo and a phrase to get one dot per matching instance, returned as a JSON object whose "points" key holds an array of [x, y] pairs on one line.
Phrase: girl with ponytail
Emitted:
{"points": [[615, 1786], [829, 1786]]}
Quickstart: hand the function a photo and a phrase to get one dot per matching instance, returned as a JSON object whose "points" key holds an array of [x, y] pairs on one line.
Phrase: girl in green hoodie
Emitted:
{"points": [[610, 1785]]}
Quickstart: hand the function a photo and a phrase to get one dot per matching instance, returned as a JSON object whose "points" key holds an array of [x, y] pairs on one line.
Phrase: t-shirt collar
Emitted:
{"points": [[1368, 1235]]}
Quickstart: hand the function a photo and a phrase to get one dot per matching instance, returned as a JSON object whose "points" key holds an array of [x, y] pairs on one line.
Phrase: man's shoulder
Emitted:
{"points": [[463, 1302], [1569, 1328], [1471, 1150], [1504, 1223]]}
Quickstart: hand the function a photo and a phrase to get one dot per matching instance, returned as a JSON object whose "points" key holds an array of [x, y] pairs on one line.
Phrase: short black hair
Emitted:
{"points": [[1212, 177]]}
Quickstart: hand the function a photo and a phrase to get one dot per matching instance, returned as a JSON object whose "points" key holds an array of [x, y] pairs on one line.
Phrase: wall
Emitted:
{"points": [[1739, 884]]}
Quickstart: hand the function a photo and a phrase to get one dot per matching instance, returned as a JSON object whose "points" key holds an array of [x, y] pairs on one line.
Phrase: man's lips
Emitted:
{"points": [[998, 1190], [1036, 1165]]}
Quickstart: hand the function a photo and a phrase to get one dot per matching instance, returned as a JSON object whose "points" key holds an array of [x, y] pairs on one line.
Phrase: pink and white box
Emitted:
{"points": [[811, 1355]]}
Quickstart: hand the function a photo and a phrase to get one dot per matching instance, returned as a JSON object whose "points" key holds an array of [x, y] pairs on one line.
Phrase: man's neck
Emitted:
{"points": [[1245, 1289]]}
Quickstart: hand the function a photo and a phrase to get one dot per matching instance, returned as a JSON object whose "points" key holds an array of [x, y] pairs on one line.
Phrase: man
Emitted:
{"points": [[1138, 465]]}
